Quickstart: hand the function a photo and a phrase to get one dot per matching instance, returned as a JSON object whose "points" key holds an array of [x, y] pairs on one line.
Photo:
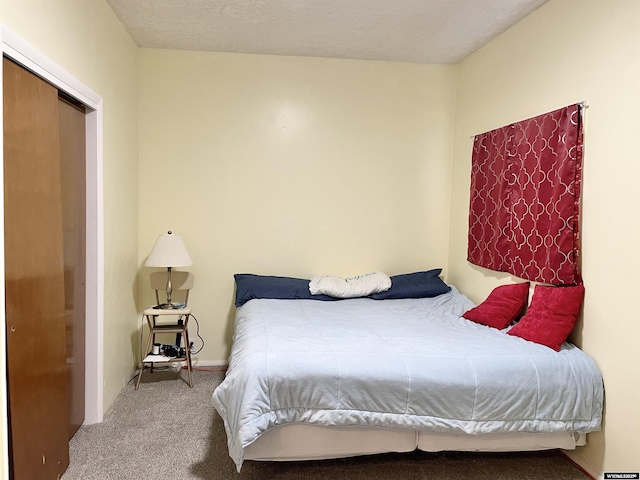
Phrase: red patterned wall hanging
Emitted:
{"points": [[525, 198]]}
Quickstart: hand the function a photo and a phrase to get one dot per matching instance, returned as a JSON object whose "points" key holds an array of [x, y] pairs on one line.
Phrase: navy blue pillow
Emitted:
{"points": [[250, 286], [415, 285]]}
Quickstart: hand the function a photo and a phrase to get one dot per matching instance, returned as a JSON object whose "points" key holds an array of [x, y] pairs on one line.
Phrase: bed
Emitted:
{"points": [[312, 379]]}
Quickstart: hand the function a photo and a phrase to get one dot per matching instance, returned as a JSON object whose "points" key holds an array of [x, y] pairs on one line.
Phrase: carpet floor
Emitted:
{"points": [[166, 430]]}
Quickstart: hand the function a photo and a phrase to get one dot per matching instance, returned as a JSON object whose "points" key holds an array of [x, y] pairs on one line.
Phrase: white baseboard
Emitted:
{"points": [[209, 363], [582, 463]]}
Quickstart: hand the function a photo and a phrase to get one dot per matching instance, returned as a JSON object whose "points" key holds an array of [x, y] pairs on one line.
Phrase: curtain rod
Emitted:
{"points": [[583, 104]]}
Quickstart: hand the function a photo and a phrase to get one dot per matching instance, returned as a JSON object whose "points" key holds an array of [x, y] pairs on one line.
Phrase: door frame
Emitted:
{"points": [[21, 52]]}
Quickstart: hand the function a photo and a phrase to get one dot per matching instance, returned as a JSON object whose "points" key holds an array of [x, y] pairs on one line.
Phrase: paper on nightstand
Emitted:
{"points": [[157, 358]]}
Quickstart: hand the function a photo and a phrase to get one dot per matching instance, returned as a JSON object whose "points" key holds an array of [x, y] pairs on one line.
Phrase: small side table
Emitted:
{"points": [[153, 316]]}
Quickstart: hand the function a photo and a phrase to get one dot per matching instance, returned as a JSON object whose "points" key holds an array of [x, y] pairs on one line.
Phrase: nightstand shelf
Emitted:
{"points": [[154, 316]]}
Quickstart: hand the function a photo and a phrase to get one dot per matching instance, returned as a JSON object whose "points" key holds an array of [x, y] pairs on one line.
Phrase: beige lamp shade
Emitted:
{"points": [[168, 251]]}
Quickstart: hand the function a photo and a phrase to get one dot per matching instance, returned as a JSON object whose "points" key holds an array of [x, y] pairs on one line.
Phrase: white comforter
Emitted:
{"points": [[411, 363]]}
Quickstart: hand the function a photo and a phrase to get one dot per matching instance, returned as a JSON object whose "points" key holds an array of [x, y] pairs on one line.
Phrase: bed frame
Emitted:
{"points": [[310, 442]]}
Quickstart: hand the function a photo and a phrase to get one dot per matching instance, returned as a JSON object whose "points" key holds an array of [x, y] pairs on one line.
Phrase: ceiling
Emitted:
{"points": [[418, 31]]}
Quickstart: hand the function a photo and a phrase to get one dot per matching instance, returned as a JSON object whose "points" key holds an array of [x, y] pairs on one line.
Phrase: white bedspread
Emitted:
{"points": [[411, 363]]}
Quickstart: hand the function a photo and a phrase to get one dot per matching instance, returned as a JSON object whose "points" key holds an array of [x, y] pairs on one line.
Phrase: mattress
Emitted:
{"points": [[404, 364]]}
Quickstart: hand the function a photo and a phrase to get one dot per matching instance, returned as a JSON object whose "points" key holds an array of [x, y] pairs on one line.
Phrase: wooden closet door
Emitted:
{"points": [[73, 175], [34, 278]]}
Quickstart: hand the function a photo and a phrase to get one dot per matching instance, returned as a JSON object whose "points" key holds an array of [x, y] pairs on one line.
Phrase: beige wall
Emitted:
{"points": [[566, 52], [296, 166], [291, 166], [85, 39]]}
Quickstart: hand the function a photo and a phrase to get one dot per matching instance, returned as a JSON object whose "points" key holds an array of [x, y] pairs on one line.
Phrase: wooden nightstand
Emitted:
{"points": [[168, 320], [155, 317]]}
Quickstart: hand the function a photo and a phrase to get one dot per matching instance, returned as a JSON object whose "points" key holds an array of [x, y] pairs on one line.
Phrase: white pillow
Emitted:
{"points": [[358, 286]]}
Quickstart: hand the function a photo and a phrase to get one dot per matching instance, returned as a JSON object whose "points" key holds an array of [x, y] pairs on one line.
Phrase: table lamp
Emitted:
{"points": [[168, 251]]}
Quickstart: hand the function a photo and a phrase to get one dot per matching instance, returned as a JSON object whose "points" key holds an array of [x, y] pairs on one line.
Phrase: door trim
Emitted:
{"points": [[21, 52]]}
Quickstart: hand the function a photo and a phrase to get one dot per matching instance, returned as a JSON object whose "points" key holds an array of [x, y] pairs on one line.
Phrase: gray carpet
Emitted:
{"points": [[166, 430]]}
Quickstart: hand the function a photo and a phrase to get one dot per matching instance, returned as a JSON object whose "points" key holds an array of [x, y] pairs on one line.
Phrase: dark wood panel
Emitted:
{"points": [[73, 166], [34, 277]]}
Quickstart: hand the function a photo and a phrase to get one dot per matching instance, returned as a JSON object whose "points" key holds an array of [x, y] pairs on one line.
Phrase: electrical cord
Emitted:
{"points": [[198, 335]]}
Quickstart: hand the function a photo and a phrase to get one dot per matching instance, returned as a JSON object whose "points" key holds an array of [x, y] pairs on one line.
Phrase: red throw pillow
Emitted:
{"points": [[551, 316], [503, 305]]}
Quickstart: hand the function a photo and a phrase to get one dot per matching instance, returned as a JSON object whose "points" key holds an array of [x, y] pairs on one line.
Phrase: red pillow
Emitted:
{"points": [[503, 305], [551, 316]]}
